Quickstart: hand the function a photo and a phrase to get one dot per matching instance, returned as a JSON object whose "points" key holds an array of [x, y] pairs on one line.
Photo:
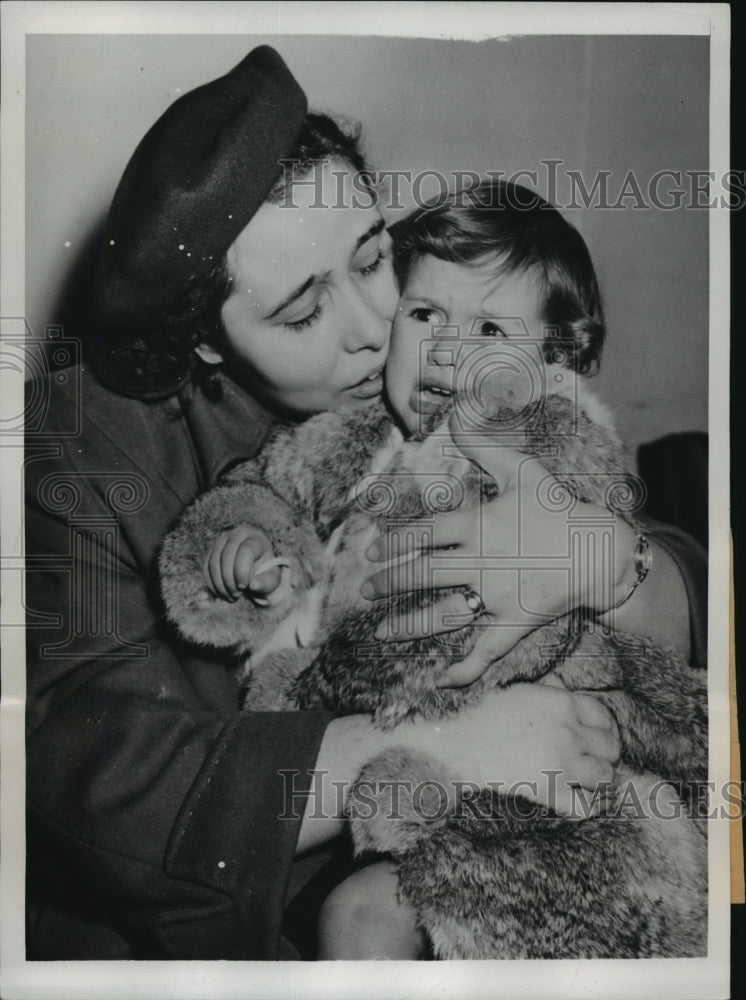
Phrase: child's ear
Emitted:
{"points": [[208, 354]]}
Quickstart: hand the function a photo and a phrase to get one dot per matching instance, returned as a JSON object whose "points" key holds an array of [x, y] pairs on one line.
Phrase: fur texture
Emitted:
{"points": [[490, 876]]}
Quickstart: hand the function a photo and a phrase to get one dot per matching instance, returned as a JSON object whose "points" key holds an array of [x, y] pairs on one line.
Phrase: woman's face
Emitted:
{"points": [[308, 320]]}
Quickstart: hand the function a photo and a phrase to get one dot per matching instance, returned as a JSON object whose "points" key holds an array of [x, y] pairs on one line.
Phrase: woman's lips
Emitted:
{"points": [[370, 386]]}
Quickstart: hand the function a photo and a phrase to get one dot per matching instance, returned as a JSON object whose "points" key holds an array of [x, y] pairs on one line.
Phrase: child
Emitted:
{"points": [[489, 264]]}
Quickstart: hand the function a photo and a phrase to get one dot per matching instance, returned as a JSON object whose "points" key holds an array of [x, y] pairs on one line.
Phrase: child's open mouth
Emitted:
{"points": [[430, 396]]}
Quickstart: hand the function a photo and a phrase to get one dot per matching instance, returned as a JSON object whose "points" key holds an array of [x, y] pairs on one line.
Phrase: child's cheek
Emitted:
{"points": [[406, 338]]}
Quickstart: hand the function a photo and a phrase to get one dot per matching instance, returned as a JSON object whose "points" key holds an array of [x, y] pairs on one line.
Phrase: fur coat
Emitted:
{"points": [[490, 875]]}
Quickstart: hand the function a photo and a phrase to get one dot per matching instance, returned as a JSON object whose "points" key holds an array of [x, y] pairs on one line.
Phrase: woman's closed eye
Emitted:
{"points": [[367, 266], [369, 257], [296, 325], [373, 265]]}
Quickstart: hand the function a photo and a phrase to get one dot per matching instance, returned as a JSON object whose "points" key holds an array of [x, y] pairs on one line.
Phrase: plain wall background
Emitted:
{"points": [[594, 102]]}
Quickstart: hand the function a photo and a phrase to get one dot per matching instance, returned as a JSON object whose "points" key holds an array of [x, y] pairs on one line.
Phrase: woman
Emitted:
{"points": [[163, 822]]}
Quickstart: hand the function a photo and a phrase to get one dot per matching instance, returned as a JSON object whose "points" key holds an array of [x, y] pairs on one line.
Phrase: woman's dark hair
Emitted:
{"points": [[156, 362], [517, 229]]}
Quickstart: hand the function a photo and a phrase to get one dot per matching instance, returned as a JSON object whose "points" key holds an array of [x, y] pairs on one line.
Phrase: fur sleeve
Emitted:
{"points": [[208, 620], [294, 491], [316, 464]]}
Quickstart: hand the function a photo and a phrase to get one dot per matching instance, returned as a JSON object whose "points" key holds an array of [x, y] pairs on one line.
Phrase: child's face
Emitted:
{"points": [[444, 310]]}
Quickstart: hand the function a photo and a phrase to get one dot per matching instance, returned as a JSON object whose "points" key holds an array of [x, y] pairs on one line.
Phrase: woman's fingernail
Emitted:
{"points": [[381, 633], [368, 591], [373, 552]]}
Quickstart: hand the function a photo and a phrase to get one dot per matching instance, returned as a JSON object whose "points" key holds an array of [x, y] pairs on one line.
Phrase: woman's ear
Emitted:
{"points": [[208, 354]]}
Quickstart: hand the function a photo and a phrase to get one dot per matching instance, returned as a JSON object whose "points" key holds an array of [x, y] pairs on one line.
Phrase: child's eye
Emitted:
{"points": [[488, 328], [423, 315], [305, 321]]}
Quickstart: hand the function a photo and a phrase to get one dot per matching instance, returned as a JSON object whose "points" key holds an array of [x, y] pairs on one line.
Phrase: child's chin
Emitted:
{"points": [[420, 420]]}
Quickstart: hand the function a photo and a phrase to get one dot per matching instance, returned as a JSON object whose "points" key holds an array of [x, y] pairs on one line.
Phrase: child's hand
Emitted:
{"points": [[230, 564]]}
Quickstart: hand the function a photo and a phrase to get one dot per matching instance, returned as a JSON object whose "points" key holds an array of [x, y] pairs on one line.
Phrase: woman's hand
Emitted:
{"points": [[532, 554], [231, 565], [536, 740]]}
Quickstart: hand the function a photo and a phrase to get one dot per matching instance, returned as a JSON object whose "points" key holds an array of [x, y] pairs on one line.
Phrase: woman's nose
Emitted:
{"points": [[368, 322]]}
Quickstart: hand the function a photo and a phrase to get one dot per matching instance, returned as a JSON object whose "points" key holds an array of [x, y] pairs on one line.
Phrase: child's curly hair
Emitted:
{"points": [[500, 221], [158, 360]]}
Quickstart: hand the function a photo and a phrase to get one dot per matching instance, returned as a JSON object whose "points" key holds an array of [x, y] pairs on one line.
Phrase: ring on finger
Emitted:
{"points": [[474, 603]]}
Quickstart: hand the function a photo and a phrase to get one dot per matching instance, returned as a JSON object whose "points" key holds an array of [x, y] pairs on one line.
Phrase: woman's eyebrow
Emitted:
{"points": [[295, 294], [374, 230]]}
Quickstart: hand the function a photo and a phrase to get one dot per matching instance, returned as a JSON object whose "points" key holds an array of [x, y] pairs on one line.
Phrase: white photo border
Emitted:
{"points": [[674, 979]]}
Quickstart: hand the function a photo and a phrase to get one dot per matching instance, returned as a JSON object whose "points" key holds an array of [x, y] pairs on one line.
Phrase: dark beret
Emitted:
{"points": [[194, 183]]}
